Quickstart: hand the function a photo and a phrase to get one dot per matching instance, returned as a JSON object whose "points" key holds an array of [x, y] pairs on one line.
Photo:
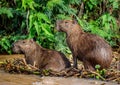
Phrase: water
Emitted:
{"points": [[22, 79]]}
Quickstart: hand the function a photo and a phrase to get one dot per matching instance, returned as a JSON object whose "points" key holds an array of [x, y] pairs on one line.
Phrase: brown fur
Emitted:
{"points": [[40, 57], [89, 48]]}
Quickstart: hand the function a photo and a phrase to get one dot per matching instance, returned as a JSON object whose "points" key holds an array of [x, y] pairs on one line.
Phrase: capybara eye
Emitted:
{"points": [[23, 42], [66, 22]]}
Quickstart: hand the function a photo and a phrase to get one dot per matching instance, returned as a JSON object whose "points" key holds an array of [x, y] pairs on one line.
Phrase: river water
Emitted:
{"points": [[22, 79]]}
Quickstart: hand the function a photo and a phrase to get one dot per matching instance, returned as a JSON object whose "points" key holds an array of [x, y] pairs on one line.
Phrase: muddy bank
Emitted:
{"points": [[24, 79], [21, 79], [9, 57]]}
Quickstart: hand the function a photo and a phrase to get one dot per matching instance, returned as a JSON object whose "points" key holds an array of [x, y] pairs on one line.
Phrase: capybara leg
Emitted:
{"points": [[88, 66], [34, 63], [24, 61], [75, 62], [32, 67], [29, 66]]}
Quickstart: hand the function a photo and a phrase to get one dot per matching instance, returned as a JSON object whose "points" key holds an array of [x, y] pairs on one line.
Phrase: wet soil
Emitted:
{"points": [[22, 79], [18, 78]]}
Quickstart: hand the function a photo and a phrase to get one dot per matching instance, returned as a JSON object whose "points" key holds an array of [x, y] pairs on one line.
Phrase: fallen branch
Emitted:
{"points": [[93, 72]]}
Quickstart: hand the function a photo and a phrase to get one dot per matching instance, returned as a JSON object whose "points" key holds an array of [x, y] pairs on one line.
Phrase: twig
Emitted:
{"points": [[27, 19], [97, 74]]}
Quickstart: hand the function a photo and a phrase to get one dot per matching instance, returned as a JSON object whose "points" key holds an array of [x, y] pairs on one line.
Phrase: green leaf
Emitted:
{"points": [[115, 4], [26, 4], [6, 11], [53, 3], [42, 16], [45, 28], [97, 77], [37, 27], [31, 20], [97, 66]]}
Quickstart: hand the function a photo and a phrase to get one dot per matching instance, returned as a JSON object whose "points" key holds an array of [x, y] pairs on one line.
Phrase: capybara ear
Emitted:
{"points": [[34, 39], [31, 40]]}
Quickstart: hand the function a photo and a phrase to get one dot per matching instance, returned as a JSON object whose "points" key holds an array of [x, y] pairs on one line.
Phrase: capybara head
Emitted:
{"points": [[67, 25], [22, 46]]}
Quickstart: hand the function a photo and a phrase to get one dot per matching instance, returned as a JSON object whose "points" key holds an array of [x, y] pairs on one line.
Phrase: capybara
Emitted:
{"points": [[91, 49], [40, 57]]}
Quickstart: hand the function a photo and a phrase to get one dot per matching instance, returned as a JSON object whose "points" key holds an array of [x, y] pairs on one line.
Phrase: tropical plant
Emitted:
{"points": [[21, 19]]}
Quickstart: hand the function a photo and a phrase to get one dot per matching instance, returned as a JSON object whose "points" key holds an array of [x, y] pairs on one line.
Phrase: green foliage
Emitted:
{"points": [[100, 72], [114, 3], [52, 3], [46, 72], [60, 43], [28, 4], [97, 67], [21, 19], [4, 43], [6, 11], [92, 3], [40, 26]]}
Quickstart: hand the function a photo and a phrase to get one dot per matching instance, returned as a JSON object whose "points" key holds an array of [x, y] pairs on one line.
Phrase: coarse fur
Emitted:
{"points": [[40, 57], [89, 48]]}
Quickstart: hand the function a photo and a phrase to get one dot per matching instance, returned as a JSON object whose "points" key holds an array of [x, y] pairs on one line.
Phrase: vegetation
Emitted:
{"points": [[21, 19]]}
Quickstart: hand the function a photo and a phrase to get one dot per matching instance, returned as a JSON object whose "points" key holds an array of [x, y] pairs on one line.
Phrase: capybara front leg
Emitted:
{"points": [[24, 61], [75, 62]]}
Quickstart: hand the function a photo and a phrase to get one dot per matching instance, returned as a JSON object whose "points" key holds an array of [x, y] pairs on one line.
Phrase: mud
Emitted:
{"points": [[24, 79], [21, 79]]}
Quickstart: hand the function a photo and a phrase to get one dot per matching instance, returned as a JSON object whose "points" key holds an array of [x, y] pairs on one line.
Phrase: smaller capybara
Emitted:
{"points": [[89, 48], [40, 57]]}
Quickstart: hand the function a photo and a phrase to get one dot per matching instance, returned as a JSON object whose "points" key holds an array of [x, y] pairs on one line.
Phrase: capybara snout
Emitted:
{"points": [[16, 48]]}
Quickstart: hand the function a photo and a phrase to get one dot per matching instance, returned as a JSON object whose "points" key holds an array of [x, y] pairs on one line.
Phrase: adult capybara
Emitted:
{"points": [[89, 48], [40, 57]]}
